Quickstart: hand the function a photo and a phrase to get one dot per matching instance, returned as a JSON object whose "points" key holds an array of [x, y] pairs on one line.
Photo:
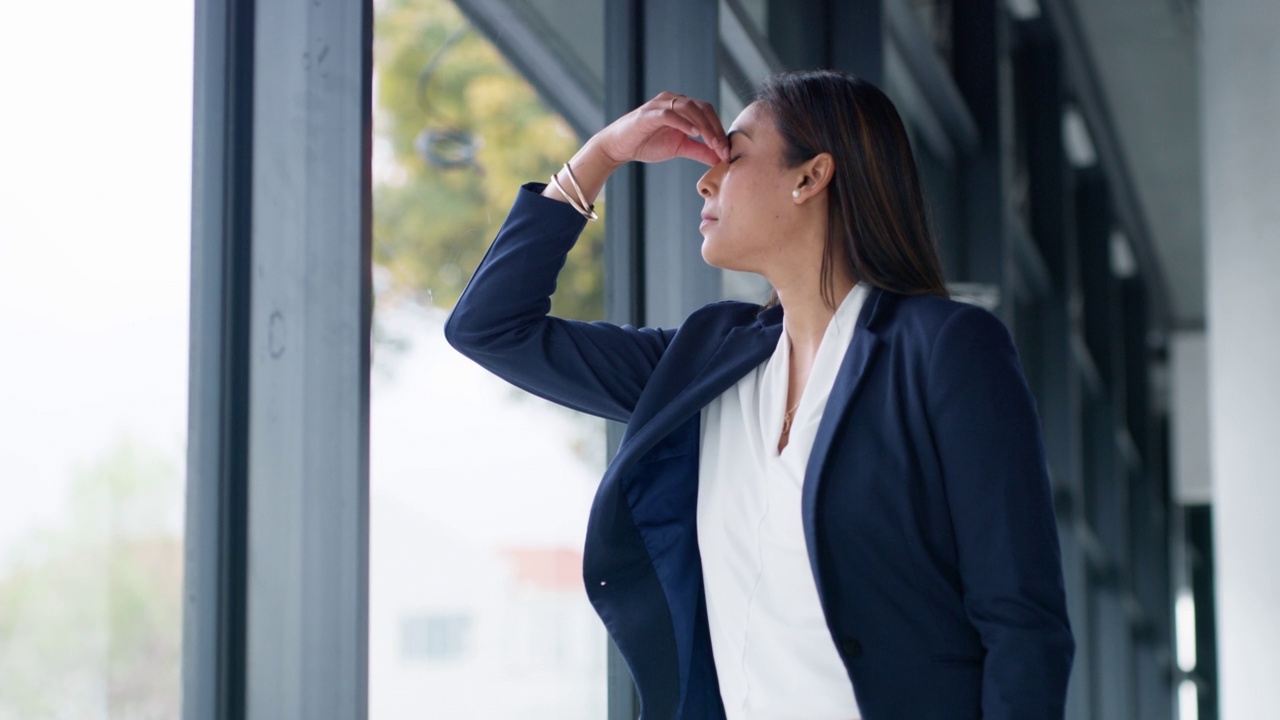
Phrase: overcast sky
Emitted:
{"points": [[95, 168]]}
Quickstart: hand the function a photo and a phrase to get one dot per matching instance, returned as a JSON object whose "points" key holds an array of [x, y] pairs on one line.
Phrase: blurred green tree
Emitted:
{"points": [[91, 609], [465, 131]]}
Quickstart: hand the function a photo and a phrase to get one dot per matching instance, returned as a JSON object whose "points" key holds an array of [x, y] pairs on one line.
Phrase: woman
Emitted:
{"points": [[834, 506]]}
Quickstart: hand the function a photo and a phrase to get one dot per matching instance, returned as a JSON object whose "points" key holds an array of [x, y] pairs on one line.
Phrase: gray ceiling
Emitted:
{"points": [[1145, 53]]}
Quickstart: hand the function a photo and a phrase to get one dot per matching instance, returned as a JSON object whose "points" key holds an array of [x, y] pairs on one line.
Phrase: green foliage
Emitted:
{"points": [[432, 225], [90, 609]]}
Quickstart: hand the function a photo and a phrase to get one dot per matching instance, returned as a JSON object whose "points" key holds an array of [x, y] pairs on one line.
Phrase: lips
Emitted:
{"points": [[709, 218]]}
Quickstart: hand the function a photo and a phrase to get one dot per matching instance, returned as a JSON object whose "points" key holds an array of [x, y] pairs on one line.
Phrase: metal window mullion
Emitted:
{"points": [[307, 640], [623, 256], [856, 38], [654, 273], [215, 563], [1083, 77], [678, 52]]}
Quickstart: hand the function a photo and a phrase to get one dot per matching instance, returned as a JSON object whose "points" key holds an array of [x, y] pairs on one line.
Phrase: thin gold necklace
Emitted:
{"points": [[786, 419]]}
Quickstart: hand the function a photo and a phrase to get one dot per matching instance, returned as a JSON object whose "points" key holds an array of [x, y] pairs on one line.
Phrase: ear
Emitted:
{"points": [[815, 175]]}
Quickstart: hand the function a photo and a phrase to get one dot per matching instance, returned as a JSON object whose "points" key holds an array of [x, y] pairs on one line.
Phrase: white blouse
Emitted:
{"points": [[774, 656]]}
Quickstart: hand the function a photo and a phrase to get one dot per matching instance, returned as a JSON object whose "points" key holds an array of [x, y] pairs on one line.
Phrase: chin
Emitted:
{"points": [[725, 255], [713, 254], [717, 258]]}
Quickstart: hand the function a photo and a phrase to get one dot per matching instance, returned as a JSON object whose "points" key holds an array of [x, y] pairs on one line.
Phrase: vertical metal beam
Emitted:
{"points": [[980, 70], [623, 253], [309, 390], [1037, 92], [1039, 101], [1140, 351], [1150, 512], [678, 53], [1111, 661], [857, 38], [214, 621], [1098, 288], [1199, 538], [624, 219], [654, 272], [800, 33]]}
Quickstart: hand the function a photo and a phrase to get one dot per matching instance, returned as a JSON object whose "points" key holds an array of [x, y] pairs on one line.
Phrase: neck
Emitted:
{"points": [[797, 279], [806, 314]]}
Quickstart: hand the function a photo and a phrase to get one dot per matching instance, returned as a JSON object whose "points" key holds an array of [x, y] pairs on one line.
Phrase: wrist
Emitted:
{"points": [[594, 157]]}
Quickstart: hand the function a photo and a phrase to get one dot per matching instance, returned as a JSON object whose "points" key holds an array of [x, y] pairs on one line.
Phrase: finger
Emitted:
{"points": [[713, 129], [679, 121], [706, 123], [694, 150], [665, 100]]}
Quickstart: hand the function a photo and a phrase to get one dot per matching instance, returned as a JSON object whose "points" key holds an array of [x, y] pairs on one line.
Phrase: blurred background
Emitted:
{"points": [[1102, 175]]}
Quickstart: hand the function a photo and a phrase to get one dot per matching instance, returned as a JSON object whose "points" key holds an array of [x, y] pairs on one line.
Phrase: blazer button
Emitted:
{"points": [[851, 647]]}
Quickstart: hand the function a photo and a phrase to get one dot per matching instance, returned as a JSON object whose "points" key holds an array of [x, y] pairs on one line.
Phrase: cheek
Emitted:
{"points": [[740, 197], [756, 196]]}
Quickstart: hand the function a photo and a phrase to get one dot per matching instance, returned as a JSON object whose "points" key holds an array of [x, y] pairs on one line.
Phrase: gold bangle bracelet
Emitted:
{"points": [[588, 211], [573, 180]]}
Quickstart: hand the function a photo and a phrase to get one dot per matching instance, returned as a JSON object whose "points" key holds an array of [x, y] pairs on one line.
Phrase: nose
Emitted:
{"points": [[709, 183]]}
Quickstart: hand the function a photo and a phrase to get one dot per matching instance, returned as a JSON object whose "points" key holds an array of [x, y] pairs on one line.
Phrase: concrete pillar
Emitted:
{"points": [[1240, 110]]}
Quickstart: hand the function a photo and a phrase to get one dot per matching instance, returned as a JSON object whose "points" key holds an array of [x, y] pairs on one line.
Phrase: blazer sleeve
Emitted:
{"points": [[502, 319], [997, 487]]}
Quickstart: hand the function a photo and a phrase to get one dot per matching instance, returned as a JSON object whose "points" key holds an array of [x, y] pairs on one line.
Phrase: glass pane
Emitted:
{"points": [[942, 197], [95, 184], [935, 20], [480, 492]]}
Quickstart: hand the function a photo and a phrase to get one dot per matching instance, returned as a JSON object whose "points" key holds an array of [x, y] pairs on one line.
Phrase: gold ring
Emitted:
{"points": [[673, 104]]}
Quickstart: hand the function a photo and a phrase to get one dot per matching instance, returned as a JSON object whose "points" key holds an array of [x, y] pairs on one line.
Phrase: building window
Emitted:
{"points": [[435, 638]]}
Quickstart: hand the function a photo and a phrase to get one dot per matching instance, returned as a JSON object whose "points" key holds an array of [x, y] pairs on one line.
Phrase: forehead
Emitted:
{"points": [[751, 120]]}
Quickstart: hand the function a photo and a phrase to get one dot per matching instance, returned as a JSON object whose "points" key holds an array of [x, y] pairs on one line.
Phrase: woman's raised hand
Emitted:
{"points": [[661, 129], [665, 128]]}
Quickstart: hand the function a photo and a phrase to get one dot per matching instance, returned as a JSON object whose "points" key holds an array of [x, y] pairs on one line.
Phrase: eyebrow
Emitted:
{"points": [[729, 136]]}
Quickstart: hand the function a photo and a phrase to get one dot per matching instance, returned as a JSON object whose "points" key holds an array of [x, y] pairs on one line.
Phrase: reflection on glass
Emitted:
{"points": [[480, 492], [935, 20], [95, 169], [1188, 700]]}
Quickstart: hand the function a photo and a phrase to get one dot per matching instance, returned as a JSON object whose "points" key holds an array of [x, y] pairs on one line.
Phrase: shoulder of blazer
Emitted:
{"points": [[921, 317], [915, 319]]}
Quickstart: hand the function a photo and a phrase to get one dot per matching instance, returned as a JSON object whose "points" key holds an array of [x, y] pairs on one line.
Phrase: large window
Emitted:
{"points": [[479, 492], [95, 178]]}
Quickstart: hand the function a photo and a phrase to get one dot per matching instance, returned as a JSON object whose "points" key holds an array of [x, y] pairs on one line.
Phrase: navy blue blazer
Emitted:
{"points": [[926, 500]]}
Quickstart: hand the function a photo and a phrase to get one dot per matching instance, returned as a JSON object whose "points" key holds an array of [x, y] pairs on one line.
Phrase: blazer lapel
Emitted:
{"points": [[862, 350]]}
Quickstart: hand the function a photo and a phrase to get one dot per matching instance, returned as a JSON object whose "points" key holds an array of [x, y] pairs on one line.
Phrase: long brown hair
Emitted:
{"points": [[877, 210]]}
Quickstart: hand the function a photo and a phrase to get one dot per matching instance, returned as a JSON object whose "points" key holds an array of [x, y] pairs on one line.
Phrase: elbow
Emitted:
{"points": [[478, 332], [474, 335], [459, 335]]}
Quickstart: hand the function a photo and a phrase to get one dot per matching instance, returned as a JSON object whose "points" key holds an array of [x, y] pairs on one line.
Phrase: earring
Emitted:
{"points": [[795, 194]]}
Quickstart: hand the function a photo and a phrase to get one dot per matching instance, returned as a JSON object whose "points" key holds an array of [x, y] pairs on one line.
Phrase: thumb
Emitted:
{"points": [[694, 150]]}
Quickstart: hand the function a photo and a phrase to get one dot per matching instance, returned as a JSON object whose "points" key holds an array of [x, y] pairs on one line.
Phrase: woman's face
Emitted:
{"points": [[748, 205]]}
